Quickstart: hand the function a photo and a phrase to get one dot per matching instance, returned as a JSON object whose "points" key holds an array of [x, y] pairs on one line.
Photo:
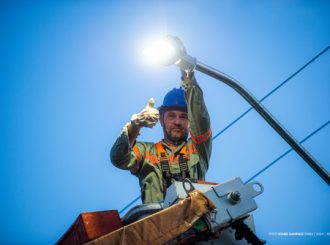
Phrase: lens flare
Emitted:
{"points": [[159, 52], [163, 51]]}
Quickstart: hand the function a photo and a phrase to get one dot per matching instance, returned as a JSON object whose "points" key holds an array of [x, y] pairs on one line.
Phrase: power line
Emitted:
{"points": [[258, 173], [272, 91], [128, 205], [285, 153], [247, 111]]}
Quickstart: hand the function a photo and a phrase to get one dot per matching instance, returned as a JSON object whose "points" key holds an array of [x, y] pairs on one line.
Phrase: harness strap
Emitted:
{"points": [[163, 159], [164, 163], [183, 165]]}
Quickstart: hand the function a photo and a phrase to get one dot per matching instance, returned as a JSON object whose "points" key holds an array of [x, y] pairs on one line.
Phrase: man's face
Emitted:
{"points": [[175, 125]]}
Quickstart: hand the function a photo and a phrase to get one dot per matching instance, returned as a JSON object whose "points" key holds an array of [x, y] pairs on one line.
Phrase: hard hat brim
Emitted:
{"points": [[163, 109]]}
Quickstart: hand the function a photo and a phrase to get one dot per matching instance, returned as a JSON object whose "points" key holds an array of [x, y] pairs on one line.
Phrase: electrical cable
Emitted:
{"points": [[261, 171], [285, 153], [128, 205], [247, 111], [272, 91]]}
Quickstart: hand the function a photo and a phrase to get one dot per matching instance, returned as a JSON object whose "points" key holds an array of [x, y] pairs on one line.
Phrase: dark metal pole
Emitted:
{"points": [[312, 162]]}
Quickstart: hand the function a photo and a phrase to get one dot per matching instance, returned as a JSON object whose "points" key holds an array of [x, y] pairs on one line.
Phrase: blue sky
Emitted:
{"points": [[72, 76]]}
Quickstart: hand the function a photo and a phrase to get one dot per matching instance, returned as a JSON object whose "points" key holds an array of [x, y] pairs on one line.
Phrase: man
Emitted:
{"points": [[174, 157]]}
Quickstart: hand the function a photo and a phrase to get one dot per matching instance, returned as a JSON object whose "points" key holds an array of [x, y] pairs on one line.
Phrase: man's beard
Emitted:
{"points": [[177, 140]]}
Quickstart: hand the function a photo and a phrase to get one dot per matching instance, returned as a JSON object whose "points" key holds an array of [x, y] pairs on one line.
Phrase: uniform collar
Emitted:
{"points": [[178, 149]]}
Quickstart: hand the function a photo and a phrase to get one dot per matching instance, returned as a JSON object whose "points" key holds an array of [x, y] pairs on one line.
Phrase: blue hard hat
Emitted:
{"points": [[174, 100]]}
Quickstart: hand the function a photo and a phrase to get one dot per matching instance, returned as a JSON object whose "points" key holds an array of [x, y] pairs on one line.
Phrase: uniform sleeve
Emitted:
{"points": [[199, 119], [123, 156]]}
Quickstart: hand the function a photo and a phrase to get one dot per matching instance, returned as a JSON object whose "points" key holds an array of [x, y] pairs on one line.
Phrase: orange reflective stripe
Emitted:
{"points": [[152, 158], [137, 152], [201, 138], [184, 150], [172, 158], [160, 149]]}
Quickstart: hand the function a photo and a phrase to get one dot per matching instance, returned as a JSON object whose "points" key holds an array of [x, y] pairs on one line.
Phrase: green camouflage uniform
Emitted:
{"points": [[142, 160]]}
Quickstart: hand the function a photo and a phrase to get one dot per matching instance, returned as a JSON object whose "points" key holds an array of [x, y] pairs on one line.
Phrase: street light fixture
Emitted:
{"points": [[166, 51], [176, 54]]}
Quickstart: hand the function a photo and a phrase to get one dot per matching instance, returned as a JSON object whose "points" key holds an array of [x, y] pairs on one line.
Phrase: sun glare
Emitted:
{"points": [[159, 52]]}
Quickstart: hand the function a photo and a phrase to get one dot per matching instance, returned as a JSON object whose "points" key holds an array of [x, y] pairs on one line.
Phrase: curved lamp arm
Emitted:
{"points": [[284, 133], [189, 63]]}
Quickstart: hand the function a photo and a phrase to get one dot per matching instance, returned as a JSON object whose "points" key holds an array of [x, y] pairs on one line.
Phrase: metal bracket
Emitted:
{"points": [[255, 188], [187, 63]]}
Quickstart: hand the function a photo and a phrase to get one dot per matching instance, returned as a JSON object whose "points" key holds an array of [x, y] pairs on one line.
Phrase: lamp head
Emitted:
{"points": [[166, 51]]}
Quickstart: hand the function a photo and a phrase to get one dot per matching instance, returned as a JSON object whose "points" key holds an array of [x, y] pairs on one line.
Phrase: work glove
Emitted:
{"points": [[148, 117]]}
